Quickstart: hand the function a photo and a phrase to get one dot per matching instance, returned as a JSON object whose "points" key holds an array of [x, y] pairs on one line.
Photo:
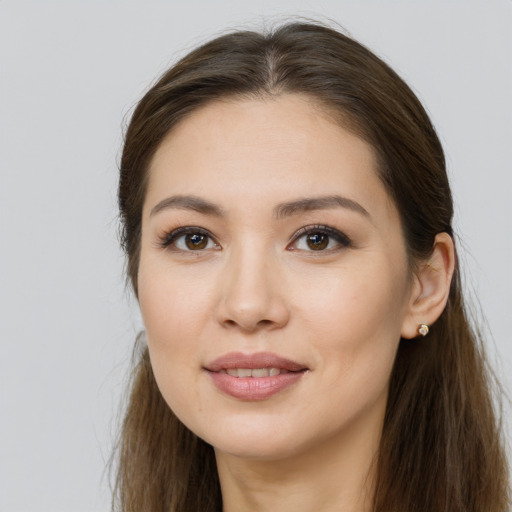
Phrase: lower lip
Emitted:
{"points": [[254, 388]]}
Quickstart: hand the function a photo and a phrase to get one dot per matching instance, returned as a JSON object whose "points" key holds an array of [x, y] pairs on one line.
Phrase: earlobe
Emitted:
{"points": [[431, 287]]}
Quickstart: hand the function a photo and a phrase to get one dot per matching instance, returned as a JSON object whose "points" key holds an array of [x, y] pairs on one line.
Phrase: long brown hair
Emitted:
{"points": [[441, 447]]}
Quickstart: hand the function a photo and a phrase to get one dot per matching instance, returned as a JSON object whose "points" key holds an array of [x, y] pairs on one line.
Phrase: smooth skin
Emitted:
{"points": [[260, 265]]}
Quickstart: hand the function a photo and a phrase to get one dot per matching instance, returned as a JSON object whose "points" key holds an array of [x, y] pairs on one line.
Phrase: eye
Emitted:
{"points": [[319, 238], [189, 239]]}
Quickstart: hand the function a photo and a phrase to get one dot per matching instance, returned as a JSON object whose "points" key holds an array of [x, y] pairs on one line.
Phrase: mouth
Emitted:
{"points": [[254, 363], [254, 372], [254, 376]]}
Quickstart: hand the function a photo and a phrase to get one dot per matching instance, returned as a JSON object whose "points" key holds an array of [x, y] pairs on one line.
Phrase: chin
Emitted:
{"points": [[258, 450], [259, 441]]}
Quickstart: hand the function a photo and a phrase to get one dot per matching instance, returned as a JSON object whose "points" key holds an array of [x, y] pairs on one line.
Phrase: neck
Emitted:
{"points": [[337, 474]]}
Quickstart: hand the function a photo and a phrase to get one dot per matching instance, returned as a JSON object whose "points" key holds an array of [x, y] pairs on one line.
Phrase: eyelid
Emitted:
{"points": [[341, 238], [169, 237]]}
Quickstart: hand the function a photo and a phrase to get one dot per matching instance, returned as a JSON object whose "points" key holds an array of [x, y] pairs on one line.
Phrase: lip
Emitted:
{"points": [[252, 361], [254, 388]]}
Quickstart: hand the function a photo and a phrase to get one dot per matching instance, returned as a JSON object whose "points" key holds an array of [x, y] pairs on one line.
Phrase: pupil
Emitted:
{"points": [[318, 241], [196, 241]]}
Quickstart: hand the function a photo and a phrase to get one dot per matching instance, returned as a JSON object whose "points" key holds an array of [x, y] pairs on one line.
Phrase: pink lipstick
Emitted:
{"points": [[254, 376]]}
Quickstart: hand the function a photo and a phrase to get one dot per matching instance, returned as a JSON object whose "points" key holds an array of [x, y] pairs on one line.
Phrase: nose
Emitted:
{"points": [[252, 295]]}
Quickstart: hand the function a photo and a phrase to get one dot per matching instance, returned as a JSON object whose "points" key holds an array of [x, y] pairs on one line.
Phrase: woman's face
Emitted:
{"points": [[273, 278]]}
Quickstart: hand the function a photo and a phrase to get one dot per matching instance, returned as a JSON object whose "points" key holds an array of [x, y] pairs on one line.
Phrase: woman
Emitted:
{"points": [[287, 221]]}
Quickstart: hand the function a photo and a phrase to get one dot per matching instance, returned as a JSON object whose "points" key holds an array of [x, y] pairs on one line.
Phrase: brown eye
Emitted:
{"points": [[189, 239], [317, 241], [319, 238], [196, 241]]}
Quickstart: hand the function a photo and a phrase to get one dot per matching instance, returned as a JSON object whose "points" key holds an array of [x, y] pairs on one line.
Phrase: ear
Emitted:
{"points": [[431, 287]]}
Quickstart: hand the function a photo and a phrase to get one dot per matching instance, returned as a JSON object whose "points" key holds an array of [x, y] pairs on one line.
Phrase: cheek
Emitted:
{"points": [[355, 321], [170, 303], [347, 300], [173, 312]]}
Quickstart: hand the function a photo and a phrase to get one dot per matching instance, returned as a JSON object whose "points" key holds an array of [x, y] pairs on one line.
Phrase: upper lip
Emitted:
{"points": [[253, 361]]}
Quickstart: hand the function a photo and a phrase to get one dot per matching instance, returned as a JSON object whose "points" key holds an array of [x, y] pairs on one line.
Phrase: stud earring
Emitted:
{"points": [[423, 329]]}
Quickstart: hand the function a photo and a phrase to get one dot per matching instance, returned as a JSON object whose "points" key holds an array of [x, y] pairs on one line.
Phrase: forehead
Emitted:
{"points": [[283, 147]]}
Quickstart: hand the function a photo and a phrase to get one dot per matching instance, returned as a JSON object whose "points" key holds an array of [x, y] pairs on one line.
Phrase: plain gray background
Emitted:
{"points": [[70, 72]]}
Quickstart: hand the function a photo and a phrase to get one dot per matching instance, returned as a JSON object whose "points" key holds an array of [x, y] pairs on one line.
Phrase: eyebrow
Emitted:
{"points": [[282, 210], [318, 203], [188, 203]]}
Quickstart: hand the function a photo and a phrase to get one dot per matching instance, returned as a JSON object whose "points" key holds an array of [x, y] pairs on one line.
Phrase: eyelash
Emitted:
{"points": [[339, 237], [169, 239]]}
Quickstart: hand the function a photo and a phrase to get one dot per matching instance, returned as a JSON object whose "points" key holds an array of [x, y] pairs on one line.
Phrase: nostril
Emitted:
{"points": [[247, 325]]}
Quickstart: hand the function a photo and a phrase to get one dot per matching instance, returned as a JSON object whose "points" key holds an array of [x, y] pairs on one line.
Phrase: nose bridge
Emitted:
{"points": [[251, 294]]}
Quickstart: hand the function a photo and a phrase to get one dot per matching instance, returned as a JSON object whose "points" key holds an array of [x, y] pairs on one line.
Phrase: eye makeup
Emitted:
{"points": [[319, 238], [188, 238], [314, 238]]}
